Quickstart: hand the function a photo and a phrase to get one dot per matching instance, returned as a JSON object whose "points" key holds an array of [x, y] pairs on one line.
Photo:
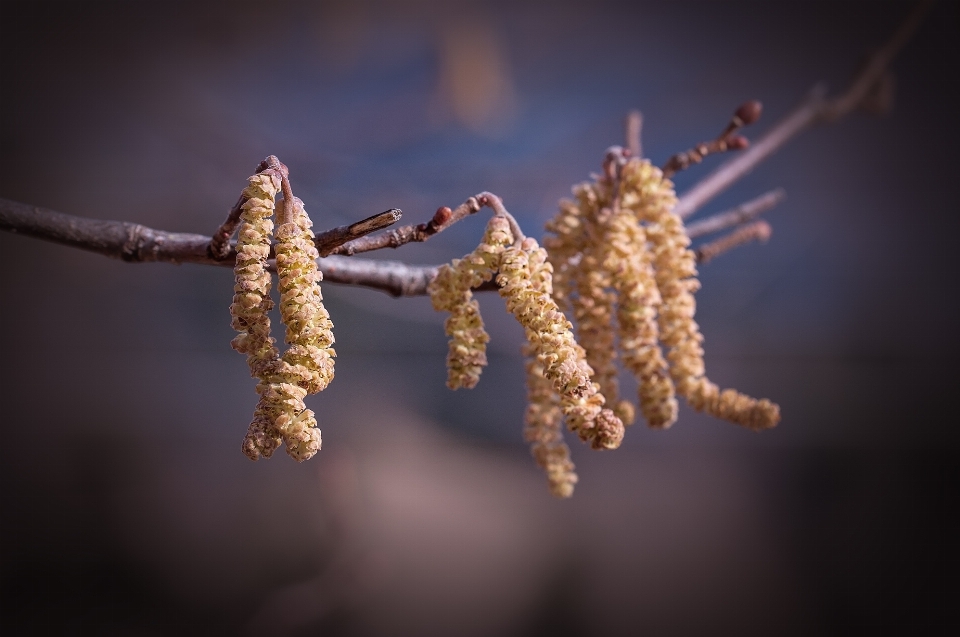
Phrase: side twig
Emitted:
{"points": [[728, 140], [815, 109], [756, 231], [634, 126], [442, 219], [329, 240], [741, 214]]}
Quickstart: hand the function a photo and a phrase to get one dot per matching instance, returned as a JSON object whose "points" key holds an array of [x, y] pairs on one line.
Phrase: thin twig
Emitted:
{"points": [[442, 219], [756, 231], [328, 240], [634, 126], [727, 140], [219, 246], [741, 214], [816, 108], [136, 243], [876, 66]]}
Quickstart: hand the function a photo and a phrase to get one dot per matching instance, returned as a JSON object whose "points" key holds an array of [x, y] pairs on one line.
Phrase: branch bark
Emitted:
{"points": [[136, 243]]}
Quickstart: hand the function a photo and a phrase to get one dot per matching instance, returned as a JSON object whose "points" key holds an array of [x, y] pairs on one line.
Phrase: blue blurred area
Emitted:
{"points": [[129, 506]]}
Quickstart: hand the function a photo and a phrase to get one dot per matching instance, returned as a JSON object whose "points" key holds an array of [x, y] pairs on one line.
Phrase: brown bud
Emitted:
{"points": [[442, 215], [749, 112], [737, 142], [763, 231]]}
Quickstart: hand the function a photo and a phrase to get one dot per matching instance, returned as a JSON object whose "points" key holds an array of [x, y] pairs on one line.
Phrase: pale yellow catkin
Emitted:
{"points": [[450, 291], [627, 257], [308, 362], [653, 198], [544, 429], [594, 311], [544, 417], [251, 301], [563, 248], [575, 252], [307, 365], [550, 337], [606, 265]]}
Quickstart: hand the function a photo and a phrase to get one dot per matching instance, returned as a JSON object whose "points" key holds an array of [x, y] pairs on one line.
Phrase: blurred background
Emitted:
{"points": [[127, 505]]}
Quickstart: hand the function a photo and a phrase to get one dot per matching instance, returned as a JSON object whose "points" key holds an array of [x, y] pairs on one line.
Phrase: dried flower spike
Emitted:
{"points": [[564, 250]]}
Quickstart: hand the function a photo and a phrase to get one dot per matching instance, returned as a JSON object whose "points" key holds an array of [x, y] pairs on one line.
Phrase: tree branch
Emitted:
{"points": [[815, 109], [756, 231], [741, 214], [442, 219], [746, 114], [136, 243], [329, 240]]}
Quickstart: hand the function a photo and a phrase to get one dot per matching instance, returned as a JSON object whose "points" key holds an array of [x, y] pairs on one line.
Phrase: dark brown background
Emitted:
{"points": [[128, 507]]}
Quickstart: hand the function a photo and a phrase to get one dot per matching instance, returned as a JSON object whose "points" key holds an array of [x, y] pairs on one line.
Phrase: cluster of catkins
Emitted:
{"points": [[307, 365], [560, 379], [623, 266], [619, 259]]}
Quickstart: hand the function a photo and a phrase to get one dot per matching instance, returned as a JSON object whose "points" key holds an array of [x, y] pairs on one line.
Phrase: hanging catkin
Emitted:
{"points": [[675, 270], [307, 365]]}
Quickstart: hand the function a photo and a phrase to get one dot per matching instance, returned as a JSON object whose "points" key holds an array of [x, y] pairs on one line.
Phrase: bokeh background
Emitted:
{"points": [[127, 507]]}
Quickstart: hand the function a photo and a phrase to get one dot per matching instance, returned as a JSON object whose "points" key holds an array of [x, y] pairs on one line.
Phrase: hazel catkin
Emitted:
{"points": [[549, 334], [251, 302], [653, 198], [638, 300], [544, 430], [307, 365], [450, 291]]}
